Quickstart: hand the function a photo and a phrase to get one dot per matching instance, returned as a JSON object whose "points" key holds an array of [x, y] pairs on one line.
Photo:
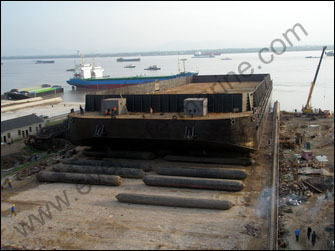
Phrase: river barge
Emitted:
{"points": [[45, 62], [128, 59], [33, 92], [211, 112]]}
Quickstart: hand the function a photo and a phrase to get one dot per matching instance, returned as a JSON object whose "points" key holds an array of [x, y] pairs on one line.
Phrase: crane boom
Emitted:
{"points": [[308, 108]]}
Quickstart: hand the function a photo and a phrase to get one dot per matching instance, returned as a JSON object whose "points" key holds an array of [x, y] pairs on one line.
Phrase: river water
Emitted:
{"points": [[291, 73]]}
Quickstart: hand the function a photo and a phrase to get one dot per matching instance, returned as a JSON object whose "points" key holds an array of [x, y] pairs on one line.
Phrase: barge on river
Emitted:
{"points": [[33, 92], [211, 112]]}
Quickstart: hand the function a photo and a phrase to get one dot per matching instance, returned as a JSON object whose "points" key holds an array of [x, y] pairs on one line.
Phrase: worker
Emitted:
{"points": [[326, 195], [81, 110], [12, 211], [115, 110], [151, 110], [313, 238], [9, 182], [297, 232], [309, 230]]}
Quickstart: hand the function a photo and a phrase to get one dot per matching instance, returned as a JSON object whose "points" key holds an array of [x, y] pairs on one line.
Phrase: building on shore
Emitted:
{"points": [[19, 128]]}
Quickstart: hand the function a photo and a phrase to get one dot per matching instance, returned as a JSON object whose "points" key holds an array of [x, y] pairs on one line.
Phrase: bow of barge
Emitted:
{"points": [[211, 112]]}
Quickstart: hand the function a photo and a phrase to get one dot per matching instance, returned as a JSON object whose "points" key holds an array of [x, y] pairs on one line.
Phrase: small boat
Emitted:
{"points": [[330, 54], [44, 62], [130, 66], [152, 68], [71, 70], [225, 58]]}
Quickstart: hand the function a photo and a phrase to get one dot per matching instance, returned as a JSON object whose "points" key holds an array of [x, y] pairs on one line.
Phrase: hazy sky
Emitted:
{"points": [[44, 28]]}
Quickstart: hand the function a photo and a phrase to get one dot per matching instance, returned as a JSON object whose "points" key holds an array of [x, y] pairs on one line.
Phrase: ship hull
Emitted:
{"points": [[110, 83], [167, 130], [242, 135]]}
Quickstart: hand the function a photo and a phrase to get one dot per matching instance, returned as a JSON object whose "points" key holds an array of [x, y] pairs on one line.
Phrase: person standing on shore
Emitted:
{"points": [[313, 238], [12, 211], [309, 230], [297, 232], [9, 183]]}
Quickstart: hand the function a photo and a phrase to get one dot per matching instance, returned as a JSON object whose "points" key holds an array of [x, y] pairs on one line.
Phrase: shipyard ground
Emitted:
{"points": [[315, 210], [94, 219]]}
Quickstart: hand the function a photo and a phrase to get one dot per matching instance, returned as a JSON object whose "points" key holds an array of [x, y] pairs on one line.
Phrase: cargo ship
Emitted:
{"points": [[128, 59], [33, 92], [211, 112], [88, 76]]}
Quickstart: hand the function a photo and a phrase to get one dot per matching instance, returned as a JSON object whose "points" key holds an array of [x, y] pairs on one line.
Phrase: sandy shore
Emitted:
{"points": [[45, 110], [96, 220]]}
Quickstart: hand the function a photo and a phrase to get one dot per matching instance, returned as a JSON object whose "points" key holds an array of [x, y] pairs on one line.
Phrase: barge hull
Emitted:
{"points": [[169, 128]]}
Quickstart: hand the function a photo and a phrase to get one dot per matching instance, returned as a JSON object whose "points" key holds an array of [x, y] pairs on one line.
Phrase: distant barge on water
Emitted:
{"points": [[44, 62], [44, 90], [211, 112], [128, 59]]}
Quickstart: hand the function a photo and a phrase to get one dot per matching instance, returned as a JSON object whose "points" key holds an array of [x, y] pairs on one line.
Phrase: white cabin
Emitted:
{"points": [[86, 71], [97, 72]]}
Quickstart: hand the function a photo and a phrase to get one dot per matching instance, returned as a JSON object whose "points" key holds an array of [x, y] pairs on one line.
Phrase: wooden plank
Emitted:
{"points": [[309, 184]]}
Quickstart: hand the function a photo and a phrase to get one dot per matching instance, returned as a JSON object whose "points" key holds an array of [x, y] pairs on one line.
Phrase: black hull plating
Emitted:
{"points": [[207, 134], [243, 133]]}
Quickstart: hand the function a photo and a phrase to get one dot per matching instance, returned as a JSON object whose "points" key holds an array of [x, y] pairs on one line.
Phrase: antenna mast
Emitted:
{"points": [[184, 59], [178, 65], [82, 57]]}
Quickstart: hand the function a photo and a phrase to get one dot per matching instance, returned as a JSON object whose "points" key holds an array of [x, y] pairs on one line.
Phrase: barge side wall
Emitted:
{"points": [[217, 103]]}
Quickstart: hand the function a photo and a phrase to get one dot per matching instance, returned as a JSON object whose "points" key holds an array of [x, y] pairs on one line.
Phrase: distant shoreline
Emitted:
{"points": [[169, 53]]}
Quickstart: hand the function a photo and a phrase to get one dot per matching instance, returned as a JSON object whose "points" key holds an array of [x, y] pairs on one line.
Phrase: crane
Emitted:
{"points": [[307, 109]]}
